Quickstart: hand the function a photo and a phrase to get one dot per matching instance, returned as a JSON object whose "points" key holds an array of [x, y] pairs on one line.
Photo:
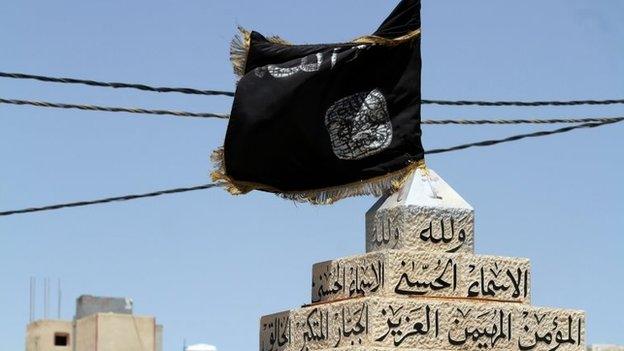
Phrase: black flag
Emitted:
{"points": [[323, 122]]}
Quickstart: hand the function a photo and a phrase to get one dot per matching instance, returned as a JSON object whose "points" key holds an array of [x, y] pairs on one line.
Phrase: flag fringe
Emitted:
{"points": [[376, 40], [376, 186], [219, 175], [239, 48]]}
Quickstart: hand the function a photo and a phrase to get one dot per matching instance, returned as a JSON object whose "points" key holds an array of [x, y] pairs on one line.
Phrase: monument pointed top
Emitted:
{"points": [[423, 188], [426, 214]]}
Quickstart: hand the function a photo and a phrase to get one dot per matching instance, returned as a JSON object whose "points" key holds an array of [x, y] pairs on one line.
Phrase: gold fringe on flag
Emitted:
{"points": [[376, 186], [239, 48], [376, 40]]}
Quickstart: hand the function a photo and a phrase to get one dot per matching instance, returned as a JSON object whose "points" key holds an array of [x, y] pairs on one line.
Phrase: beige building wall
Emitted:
{"points": [[116, 332], [44, 334], [85, 334]]}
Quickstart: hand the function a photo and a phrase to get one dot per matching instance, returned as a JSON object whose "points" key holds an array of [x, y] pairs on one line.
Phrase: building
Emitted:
{"points": [[50, 335], [100, 324], [200, 347]]}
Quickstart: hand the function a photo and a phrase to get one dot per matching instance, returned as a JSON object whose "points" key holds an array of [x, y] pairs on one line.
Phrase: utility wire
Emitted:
{"points": [[110, 199], [229, 93], [115, 84], [524, 136], [522, 103], [518, 121], [111, 109], [225, 116], [212, 185]]}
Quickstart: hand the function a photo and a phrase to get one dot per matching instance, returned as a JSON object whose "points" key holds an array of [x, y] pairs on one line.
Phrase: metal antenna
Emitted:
{"points": [[34, 298], [59, 294], [30, 300], [45, 298]]}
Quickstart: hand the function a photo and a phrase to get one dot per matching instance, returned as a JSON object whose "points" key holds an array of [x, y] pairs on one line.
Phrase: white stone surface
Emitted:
{"points": [[605, 348], [425, 215], [437, 325], [414, 274]]}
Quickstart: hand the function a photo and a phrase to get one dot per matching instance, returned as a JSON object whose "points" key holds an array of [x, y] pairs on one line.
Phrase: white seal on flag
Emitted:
{"points": [[359, 125]]}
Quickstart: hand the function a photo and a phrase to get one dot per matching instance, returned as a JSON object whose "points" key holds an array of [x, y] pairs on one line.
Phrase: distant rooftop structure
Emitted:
{"points": [[100, 323], [201, 347], [87, 305]]}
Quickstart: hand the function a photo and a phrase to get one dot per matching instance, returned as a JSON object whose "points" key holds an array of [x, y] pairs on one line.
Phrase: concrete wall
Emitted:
{"points": [[40, 335], [116, 332], [126, 333], [87, 305], [85, 334]]}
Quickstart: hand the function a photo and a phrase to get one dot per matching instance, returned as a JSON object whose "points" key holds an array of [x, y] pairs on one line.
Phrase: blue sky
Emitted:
{"points": [[208, 265]]}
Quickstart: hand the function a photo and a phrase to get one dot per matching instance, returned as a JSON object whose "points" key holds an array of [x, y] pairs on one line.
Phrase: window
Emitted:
{"points": [[61, 339]]}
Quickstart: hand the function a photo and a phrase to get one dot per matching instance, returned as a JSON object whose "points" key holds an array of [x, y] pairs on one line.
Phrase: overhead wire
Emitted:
{"points": [[145, 87], [579, 124], [111, 109], [46, 104], [524, 136], [518, 121], [523, 103], [109, 199], [212, 185]]}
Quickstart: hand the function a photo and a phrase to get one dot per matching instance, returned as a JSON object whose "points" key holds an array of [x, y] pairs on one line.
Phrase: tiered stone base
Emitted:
{"points": [[413, 274], [373, 323]]}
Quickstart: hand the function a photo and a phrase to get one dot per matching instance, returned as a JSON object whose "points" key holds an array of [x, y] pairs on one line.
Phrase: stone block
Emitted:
{"points": [[372, 323], [409, 273], [426, 214]]}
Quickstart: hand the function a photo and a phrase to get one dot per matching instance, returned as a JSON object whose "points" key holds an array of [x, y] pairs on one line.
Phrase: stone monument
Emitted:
{"points": [[421, 287]]}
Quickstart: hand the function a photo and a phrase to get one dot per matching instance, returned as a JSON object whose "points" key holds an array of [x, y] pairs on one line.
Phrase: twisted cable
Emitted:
{"points": [[212, 185], [116, 85], [107, 200], [145, 87], [226, 116], [111, 109]]}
